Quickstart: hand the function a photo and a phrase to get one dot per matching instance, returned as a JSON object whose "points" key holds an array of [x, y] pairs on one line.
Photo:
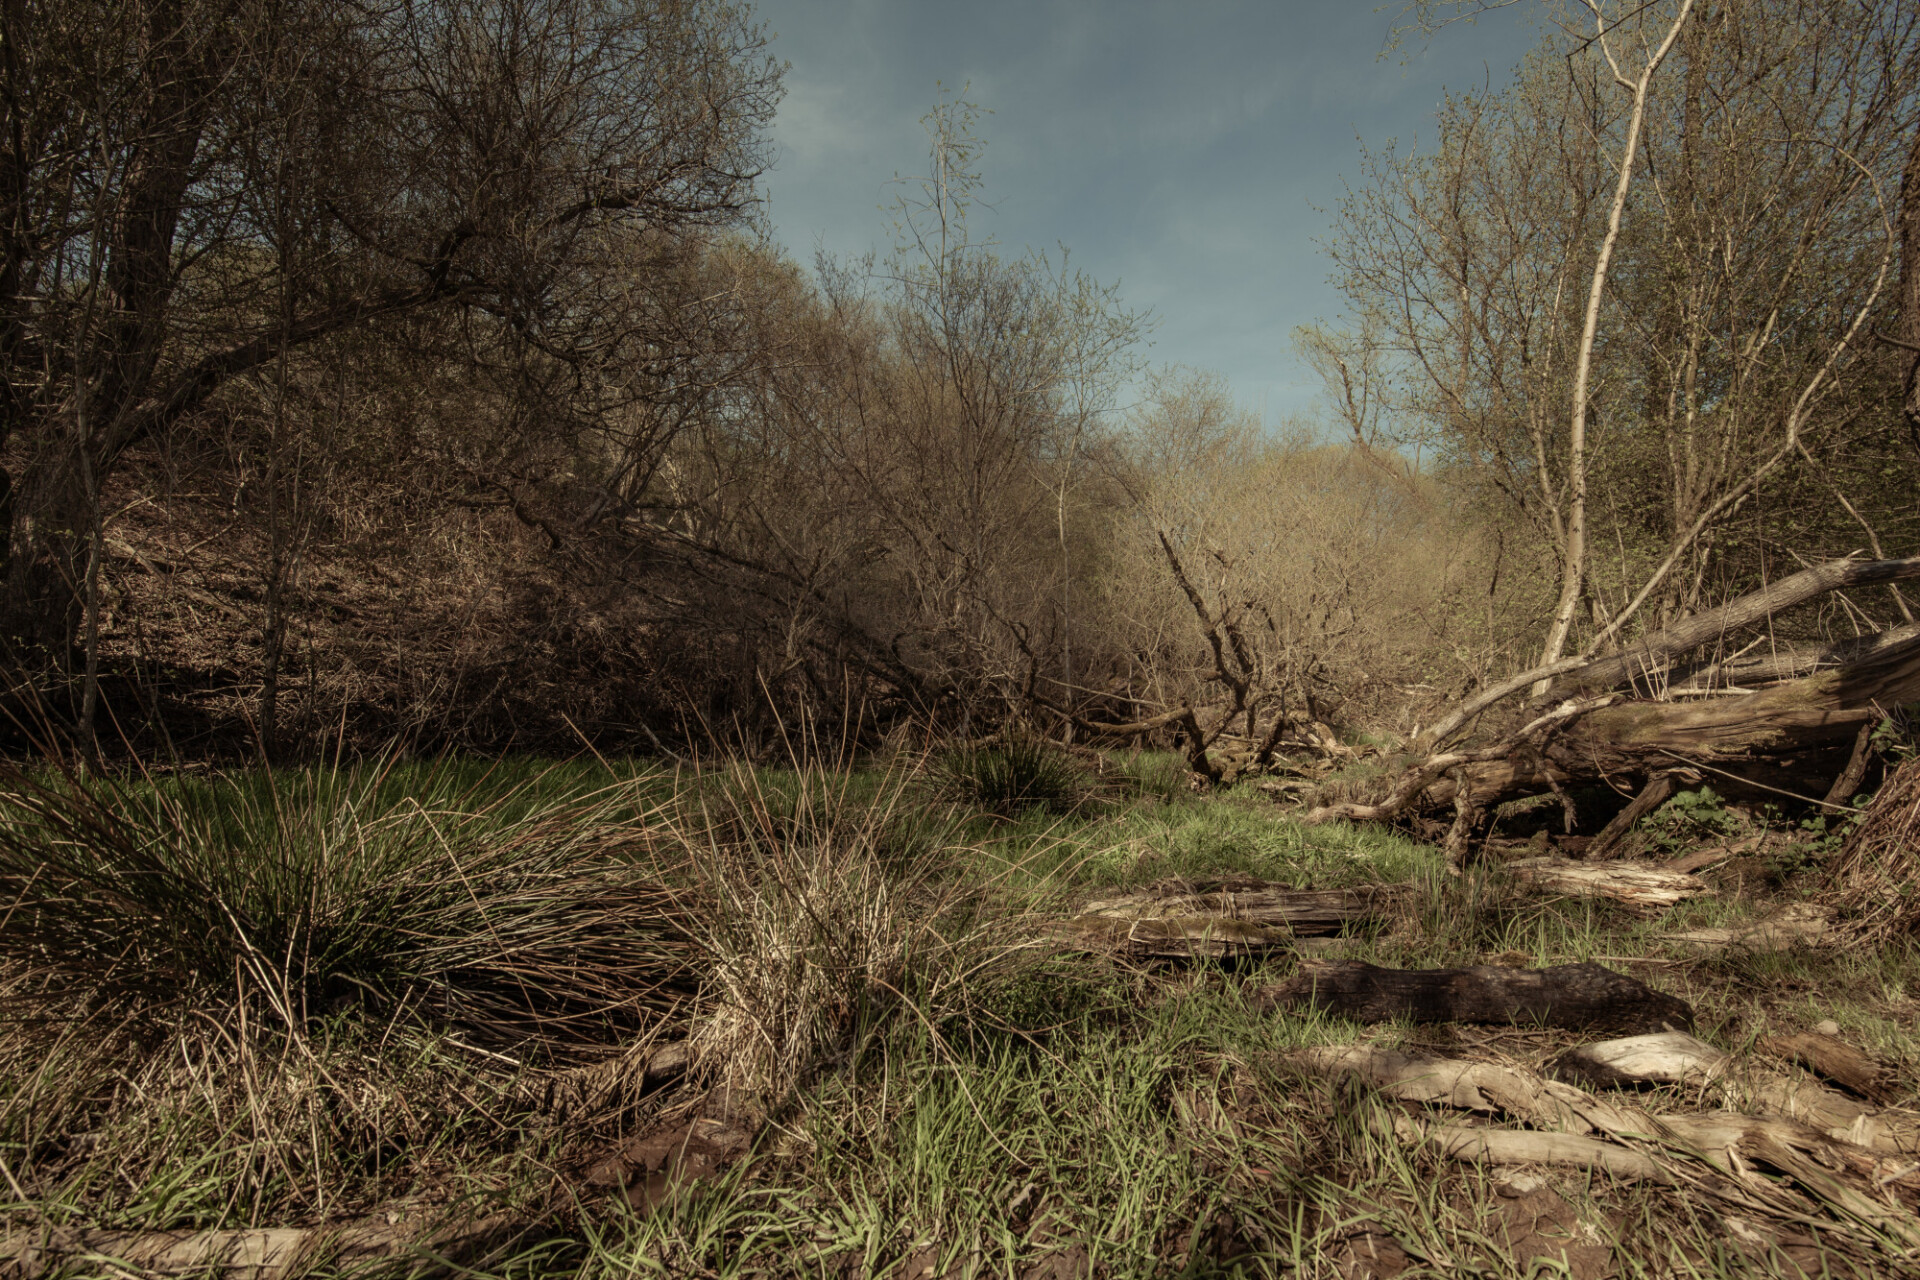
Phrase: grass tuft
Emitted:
{"points": [[1020, 772]]}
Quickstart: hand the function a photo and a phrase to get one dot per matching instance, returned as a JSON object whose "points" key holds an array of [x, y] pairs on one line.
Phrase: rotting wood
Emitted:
{"points": [[1523, 1146], [1573, 995], [1683, 1060], [1647, 889], [1303, 912], [1797, 924], [1667, 1057], [1170, 937], [1659, 787], [270, 1253], [1838, 1061]]}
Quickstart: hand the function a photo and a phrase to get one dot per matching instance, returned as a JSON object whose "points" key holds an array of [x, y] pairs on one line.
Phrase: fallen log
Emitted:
{"points": [[1650, 659], [1648, 889], [1484, 1087], [1858, 1185], [1795, 736], [1170, 937], [1512, 1147], [1667, 1057], [1838, 1061], [1682, 1060], [1302, 912], [1572, 995], [1798, 924]]}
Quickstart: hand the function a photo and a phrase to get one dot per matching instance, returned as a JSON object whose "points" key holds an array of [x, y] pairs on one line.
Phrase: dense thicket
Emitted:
{"points": [[420, 368]]}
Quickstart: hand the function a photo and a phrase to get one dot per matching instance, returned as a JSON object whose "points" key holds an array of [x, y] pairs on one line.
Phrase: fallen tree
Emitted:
{"points": [[1794, 736]]}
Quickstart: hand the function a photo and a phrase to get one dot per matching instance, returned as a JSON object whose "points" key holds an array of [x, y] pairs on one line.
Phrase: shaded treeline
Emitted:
{"points": [[422, 369]]}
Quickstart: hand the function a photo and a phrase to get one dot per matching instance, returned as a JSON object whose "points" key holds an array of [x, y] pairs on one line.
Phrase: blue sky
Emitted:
{"points": [[1188, 150]]}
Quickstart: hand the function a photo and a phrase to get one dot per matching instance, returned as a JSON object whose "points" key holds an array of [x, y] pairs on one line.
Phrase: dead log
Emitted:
{"points": [[1838, 1061], [1176, 937], [1793, 736], [1571, 995], [1302, 912], [1668, 1057], [1683, 1060], [1787, 662], [1511, 1147], [1485, 1087], [1647, 889], [1857, 1184], [1797, 924]]}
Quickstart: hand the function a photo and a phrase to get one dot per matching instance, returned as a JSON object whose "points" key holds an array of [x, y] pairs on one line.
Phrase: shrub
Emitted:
{"points": [[521, 918], [1018, 772]]}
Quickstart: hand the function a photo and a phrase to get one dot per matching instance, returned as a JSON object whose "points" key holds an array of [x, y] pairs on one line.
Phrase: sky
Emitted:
{"points": [[1190, 150]]}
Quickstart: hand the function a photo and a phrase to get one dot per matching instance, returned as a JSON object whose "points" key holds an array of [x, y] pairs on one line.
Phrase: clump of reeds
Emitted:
{"points": [[827, 915], [1017, 772], [1876, 878], [515, 917]]}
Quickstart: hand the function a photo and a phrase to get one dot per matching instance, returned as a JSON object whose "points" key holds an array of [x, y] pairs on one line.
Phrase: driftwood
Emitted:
{"points": [[1648, 889], [1527, 1146], [1683, 1060], [1572, 995]]}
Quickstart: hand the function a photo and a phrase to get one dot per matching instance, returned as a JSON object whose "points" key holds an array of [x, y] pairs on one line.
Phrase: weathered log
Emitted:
{"points": [[1170, 937], [1793, 736], [1485, 1087], [1668, 1057], [1786, 662], [1571, 995], [1861, 1185], [1682, 1060], [1784, 737], [1302, 912], [1511, 1147], [1797, 924], [1647, 889], [1838, 1061]]}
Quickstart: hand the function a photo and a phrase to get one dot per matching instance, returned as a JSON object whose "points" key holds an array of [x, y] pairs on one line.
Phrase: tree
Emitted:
{"points": [[1728, 270], [191, 191]]}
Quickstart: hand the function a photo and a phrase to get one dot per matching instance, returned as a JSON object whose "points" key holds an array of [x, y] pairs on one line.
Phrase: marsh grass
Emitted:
{"points": [[940, 1096]]}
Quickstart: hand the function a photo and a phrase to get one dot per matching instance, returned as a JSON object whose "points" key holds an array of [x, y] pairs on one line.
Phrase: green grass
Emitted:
{"points": [[326, 991]]}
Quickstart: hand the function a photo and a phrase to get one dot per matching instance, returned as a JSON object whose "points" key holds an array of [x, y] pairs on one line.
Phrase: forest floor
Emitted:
{"points": [[330, 1022]]}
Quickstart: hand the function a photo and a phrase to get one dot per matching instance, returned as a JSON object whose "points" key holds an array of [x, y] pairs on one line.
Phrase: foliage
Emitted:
{"points": [[520, 917], [1020, 771]]}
